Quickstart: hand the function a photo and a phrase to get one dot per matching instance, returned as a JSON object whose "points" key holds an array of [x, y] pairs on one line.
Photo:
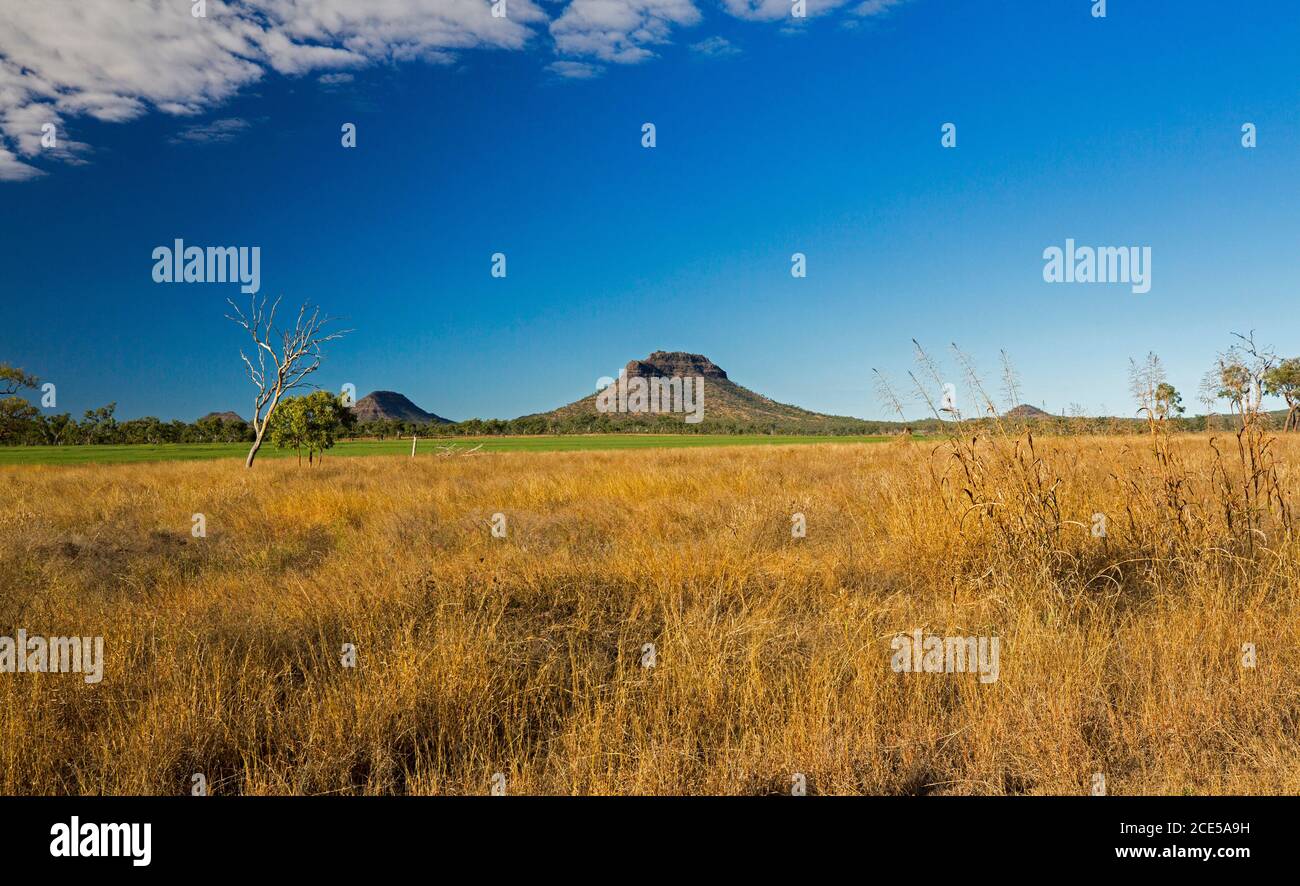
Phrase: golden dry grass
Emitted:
{"points": [[523, 655]]}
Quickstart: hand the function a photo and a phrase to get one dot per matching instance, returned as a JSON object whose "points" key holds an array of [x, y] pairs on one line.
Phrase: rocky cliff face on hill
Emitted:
{"points": [[675, 364], [724, 402]]}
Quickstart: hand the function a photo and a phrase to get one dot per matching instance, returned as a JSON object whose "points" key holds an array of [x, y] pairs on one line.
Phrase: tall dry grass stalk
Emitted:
{"points": [[1120, 654]]}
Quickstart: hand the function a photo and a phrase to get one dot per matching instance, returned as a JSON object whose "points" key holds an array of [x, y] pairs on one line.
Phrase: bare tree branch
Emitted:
{"points": [[299, 356]]}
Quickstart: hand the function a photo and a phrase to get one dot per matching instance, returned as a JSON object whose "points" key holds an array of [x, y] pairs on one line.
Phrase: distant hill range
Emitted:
{"points": [[392, 406], [726, 404], [728, 408]]}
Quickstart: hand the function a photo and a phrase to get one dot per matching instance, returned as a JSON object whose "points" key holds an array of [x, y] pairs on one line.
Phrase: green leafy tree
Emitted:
{"points": [[18, 418], [1157, 399], [1283, 380], [210, 429], [1169, 402], [57, 429], [288, 425], [1229, 380], [13, 380], [19, 421], [99, 425], [313, 422]]}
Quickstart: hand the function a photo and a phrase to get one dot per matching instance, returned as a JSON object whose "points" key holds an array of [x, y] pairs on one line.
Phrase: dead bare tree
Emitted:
{"points": [[299, 356]]}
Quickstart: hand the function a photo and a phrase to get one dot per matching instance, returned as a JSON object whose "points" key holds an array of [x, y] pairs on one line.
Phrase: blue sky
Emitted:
{"points": [[773, 137]]}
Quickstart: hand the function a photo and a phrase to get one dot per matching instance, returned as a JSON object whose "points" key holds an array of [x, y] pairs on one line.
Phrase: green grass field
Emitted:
{"points": [[62, 455]]}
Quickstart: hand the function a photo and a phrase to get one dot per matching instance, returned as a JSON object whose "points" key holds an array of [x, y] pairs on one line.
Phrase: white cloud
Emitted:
{"points": [[876, 7], [14, 170], [218, 132], [116, 60], [619, 30], [775, 10], [30, 122], [715, 47], [575, 70]]}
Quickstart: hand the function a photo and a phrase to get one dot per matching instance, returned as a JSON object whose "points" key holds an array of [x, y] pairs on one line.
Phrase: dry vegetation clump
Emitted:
{"points": [[1120, 653]]}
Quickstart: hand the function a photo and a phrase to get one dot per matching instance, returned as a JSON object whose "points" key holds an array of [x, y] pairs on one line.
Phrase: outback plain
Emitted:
{"points": [[647, 621]]}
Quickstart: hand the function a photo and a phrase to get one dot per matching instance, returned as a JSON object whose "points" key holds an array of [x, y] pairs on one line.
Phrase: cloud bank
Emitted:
{"points": [[116, 61]]}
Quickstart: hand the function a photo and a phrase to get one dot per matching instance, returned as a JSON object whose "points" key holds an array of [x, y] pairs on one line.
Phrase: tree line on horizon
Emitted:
{"points": [[1242, 376], [21, 423]]}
